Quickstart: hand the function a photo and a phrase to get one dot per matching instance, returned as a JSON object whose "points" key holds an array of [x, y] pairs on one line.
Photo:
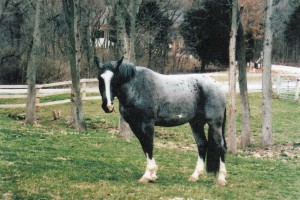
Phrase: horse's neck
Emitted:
{"points": [[122, 90]]}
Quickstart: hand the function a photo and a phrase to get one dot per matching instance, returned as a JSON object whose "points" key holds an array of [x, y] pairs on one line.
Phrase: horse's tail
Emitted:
{"points": [[223, 130], [215, 151]]}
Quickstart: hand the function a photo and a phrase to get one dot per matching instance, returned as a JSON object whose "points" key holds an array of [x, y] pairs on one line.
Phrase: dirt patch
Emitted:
{"points": [[289, 151], [174, 145]]}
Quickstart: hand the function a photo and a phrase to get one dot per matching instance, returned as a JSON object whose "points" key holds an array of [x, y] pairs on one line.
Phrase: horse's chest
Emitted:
{"points": [[137, 112]]}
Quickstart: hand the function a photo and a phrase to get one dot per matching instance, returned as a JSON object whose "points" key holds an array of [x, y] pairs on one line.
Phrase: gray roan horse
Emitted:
{"points": [[149, 99]]}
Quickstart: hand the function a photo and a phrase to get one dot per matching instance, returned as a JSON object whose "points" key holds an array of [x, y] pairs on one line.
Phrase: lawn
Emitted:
{"points": [[52, 161]]}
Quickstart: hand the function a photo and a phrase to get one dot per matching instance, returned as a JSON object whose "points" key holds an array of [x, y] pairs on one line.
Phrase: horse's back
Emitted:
{"points": [[182, 86]]}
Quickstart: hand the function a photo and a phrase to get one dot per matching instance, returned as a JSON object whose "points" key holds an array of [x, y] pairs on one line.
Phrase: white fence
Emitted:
{"points": [[288, 86], [45, 90]]}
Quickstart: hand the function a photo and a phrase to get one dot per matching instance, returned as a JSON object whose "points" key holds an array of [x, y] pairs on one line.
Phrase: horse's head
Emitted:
{"points": [[110, 76]]}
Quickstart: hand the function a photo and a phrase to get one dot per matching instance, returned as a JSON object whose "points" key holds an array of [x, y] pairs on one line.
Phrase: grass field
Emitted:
{"points": [[52, 161]]}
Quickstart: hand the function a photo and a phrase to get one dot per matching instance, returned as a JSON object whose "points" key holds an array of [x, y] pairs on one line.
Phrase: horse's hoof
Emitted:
{"points": [[144, 180], [154, 178], [221, 182], [193, 179]]}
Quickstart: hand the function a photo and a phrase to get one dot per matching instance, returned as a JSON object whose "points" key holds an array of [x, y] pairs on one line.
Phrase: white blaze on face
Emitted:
{"points": [[107, 76]]}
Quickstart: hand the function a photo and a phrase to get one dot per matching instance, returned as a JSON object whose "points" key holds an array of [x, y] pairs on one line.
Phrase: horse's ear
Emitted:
{"points": [[118, 64], [98, 63], [124, 71]]}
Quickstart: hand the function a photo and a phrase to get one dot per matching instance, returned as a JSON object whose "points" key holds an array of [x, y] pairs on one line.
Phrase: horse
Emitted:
{"points": [[148, 99]]}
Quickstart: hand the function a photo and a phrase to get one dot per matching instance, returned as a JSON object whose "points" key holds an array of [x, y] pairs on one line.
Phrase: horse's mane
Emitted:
{"points": [[126, 71]]}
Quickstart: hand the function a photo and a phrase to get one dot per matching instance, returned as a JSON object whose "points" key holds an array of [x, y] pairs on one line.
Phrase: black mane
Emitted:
{"points": [[126, 71]]}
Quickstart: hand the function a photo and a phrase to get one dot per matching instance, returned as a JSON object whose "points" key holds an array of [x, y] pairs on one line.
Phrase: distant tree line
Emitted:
{"points": [[204, 26], [206, 29], [292, 36]]}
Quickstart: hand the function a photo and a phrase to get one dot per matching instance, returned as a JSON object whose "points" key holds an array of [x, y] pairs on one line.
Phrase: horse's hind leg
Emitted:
{"points": [[216, 152], [145, 133], [201, 141]]}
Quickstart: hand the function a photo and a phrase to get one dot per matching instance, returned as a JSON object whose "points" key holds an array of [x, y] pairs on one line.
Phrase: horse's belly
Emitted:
{"points": [[174, 114], [168, 122]]}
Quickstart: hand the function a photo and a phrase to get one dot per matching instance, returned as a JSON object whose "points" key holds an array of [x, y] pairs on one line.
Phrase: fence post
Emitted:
{"points": [[297, 89], [278, 82]]}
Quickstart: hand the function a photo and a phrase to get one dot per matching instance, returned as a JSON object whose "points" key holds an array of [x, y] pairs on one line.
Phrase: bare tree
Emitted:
{"points": [[71, 11], [32, 67], [126, 44], [232, 147], [122, 37], [241, 57], [266, 137], [126, 40], [132, 11]]}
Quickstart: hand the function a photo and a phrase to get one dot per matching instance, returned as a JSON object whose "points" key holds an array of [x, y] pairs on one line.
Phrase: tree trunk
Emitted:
{"points": [[71, 11], [124, 129], [121, 34], [132, 12], [241, 57], [266, 137], [232, 147], [32, 67], [126, 46], [122, 50]]}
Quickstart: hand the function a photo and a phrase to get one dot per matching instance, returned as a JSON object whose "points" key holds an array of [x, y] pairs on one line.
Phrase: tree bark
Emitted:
{"points": [[241, 57], [122, 47], [122, 50], [266, 137], [71, 11], [126, 46], [133, 6], [232, 147], [32, 68]]}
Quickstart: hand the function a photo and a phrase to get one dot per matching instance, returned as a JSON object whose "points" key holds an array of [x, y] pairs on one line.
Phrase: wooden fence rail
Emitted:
{"points": [[20, 92], [42, 90]]}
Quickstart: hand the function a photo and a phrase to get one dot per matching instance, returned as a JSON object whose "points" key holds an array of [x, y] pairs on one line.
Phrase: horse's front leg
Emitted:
{"points": [[151, 171], [145, 133]]}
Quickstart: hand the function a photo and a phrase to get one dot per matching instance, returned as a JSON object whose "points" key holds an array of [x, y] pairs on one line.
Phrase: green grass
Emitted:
{"points": [[52, 161]]}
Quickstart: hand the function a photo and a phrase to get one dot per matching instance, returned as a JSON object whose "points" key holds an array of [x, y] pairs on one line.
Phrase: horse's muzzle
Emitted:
{"points": [[108, 108]]}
